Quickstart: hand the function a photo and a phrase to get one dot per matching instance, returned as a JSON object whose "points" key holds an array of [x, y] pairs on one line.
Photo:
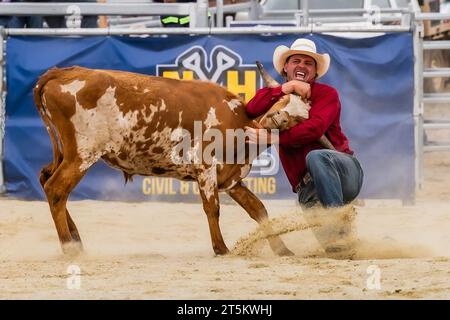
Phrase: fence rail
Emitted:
{"points": [[435, 73], [436, 45], [425, 99], [121, 9]]}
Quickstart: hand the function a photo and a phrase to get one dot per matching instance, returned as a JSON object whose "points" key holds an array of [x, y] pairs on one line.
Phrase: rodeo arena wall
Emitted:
{"points": [[374, 77]]}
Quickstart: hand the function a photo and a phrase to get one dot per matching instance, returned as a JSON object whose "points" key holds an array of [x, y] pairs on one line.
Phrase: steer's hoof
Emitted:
{"points": [[221, 252], [72, 248], [279, 248]]}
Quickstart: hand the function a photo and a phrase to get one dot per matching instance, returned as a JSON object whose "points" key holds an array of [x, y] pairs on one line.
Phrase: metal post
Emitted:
{"points": [[298, 19], [418, 102], [193, 19], [305, 11], [254, 10], [2, 113], [219, 13], [202, 13], [406, 19], [228, 21]]}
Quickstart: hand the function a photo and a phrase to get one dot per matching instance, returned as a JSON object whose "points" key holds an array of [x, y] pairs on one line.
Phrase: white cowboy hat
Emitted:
{"points": [[301, 46]]}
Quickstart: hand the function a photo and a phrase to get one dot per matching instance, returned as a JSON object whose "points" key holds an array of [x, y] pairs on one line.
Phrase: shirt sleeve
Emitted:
{"points": [[263, 100], [321, 115]]}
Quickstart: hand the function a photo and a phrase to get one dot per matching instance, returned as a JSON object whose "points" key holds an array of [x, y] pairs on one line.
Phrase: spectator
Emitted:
{"points": [[20, 21], [4, 19], [60, 21], [175, 21]]}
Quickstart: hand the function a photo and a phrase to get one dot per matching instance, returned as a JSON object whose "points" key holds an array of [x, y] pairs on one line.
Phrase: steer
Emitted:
{"points": [[129, 121]]}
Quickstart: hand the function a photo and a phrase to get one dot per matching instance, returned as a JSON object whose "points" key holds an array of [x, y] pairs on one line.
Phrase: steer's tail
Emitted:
{"points": [[48, 170]]}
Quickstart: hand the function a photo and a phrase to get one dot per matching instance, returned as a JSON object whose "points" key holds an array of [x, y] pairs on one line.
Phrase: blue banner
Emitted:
{"points": [[374, 78]]}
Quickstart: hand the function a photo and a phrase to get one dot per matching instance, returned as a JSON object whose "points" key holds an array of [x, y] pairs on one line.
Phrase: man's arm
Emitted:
{"points": [[321, 116], [263, 100]]}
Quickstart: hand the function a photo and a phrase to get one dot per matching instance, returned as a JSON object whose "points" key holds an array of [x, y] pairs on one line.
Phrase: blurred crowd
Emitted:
{"points": [[50, 21], [90, 21]]}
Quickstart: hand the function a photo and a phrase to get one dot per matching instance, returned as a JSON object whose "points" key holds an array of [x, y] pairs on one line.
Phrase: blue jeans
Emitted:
{"points": [[336, 179]]}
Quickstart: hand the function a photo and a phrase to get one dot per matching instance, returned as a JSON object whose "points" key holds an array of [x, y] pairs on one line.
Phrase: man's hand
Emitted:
{"points": [[303, 89], [260, 135]]}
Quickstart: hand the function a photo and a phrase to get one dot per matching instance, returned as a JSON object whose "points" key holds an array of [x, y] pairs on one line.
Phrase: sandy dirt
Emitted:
{"points": [[163, 251]]}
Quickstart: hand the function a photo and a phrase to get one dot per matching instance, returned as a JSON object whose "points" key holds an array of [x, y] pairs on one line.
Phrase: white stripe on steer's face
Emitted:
{"points": [[296, 107]]}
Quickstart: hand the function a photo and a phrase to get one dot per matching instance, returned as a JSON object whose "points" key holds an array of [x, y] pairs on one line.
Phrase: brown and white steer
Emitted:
{"points": [[127, 120]]}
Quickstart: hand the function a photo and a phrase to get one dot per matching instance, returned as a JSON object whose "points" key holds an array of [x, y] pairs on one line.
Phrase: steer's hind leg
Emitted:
{"points": [[210, 196], [46, 174], [57, 189], [258, 212], [73, 230]]}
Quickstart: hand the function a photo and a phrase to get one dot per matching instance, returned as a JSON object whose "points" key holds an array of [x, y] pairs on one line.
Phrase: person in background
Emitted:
{"points": [[4, 19], [20, 21], [175, 21], [60, 21]]}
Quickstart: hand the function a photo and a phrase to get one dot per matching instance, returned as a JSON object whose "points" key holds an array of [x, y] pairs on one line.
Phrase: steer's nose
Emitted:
{"points": [[279, 114]]}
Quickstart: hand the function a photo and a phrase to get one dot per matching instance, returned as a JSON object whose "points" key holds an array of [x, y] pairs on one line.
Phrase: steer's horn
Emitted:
{"points": [[268, 80]]}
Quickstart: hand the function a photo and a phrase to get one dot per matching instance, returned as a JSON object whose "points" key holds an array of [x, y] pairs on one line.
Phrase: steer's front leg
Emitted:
{"points": [[207, 183], [258, 212]]}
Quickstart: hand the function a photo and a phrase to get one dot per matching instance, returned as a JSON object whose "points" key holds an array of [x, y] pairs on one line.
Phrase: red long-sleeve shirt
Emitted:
{"points": [[298, 141]]}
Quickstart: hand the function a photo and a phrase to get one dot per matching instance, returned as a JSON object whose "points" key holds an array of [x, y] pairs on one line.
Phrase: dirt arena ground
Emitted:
{"points": [[163, 251]]}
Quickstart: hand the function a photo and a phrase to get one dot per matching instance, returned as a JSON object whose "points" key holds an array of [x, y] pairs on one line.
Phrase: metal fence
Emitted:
{"points": [[423, 99]]}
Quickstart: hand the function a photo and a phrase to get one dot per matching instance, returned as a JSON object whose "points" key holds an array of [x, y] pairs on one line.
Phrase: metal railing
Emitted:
{"points": [[307, 16], [198, 11], [423, 144]]}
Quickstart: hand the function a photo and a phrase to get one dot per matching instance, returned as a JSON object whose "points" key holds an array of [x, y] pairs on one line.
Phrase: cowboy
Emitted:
{"points": [[332, 178]]}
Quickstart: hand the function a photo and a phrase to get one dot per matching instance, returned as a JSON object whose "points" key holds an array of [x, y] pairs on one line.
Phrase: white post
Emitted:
{"points": [[305, 12], [418, 103], [2, 113], [193, 19], [202, 13], [254, 10], [219, 13]]}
